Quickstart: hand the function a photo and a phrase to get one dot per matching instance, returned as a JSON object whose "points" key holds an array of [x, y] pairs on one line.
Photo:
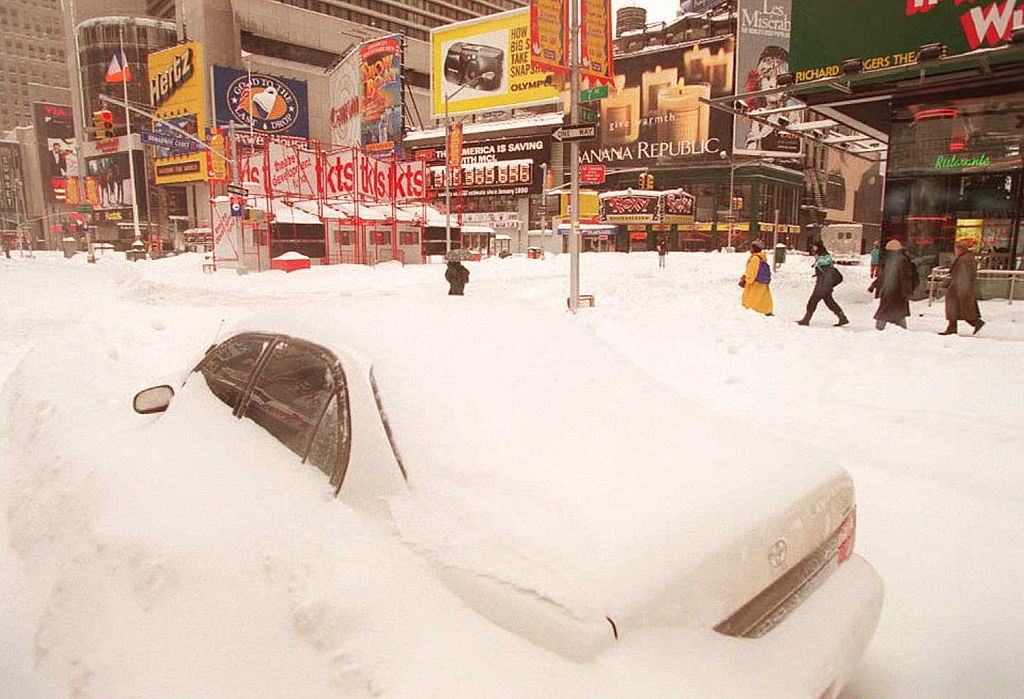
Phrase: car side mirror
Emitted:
{"points": [[153, 400]]}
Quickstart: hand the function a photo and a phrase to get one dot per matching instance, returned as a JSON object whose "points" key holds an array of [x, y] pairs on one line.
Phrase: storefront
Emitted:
{"points": [[955, 171]]}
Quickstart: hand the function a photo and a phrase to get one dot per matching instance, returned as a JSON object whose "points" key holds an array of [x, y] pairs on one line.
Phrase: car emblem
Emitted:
{"points": [[777, 553]]}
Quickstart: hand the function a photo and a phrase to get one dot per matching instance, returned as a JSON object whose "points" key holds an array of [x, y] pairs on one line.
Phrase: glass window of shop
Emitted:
{"points": [[955, 173]]}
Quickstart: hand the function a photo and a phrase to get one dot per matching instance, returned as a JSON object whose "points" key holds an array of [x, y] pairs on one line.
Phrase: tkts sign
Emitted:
{"points": [[292, 170], [890, 32]]}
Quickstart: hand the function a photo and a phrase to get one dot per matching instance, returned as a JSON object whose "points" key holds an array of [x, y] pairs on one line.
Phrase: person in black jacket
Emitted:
{"points": [[826, 276], [457, 276]]}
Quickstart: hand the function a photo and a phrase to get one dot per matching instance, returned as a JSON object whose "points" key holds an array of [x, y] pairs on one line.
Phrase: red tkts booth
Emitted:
{"points": [[289, 262]]}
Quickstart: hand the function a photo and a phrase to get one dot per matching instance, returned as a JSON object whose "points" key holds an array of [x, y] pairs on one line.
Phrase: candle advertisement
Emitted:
{"points": [[653, 114], [762, 54]]}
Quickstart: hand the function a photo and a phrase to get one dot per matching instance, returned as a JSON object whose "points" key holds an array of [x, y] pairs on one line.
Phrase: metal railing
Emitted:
{"points": [[939, 277]]}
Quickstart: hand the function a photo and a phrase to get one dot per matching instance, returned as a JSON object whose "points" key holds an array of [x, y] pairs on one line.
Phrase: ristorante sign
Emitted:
{"points": [[890, 32]]}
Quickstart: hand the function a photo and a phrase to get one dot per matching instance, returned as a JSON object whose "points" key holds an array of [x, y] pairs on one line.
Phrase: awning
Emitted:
{"points": [[485, 230], [282, 212]]}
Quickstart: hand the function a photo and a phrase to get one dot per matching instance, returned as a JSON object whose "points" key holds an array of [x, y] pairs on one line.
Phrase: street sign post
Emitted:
{"points": [[593, 94], [175, 143], [238, 190], [592, 174], [575, 132]]}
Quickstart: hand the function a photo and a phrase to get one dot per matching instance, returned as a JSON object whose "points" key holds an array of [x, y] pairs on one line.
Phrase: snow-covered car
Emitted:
{"points": [[560, 491]]}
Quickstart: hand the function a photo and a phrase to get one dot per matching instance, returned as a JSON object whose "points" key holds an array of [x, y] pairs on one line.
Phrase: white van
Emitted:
{"points": [[843, 240]]}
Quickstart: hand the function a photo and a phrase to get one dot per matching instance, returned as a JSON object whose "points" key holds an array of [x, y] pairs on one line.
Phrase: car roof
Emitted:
{"points": [[541, 445]]}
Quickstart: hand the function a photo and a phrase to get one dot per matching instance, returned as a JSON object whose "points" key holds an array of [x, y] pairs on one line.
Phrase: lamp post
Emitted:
{"points": [[447, 161], [732, 188]]}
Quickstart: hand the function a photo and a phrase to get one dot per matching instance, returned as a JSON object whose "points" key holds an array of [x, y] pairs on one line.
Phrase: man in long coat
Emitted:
{"points": [[896, 281], [961, 300]]}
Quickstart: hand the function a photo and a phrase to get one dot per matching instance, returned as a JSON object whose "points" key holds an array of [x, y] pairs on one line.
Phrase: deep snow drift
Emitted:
{"points": [[928, 426]]}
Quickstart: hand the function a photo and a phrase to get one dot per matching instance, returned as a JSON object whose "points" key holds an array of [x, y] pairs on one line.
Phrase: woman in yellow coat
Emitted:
{"points": [[756, 293]]}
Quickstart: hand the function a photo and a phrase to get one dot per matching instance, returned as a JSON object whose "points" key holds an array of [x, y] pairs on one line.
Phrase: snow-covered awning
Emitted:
{"points": [[484, 230], [282, 212]]}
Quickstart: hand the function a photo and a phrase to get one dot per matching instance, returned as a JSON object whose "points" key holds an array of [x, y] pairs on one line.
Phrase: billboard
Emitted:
{"points": [[177, 93], [381, 114], [487, 61], [503, 166], [57, 158], [888, 34], [111, 176], [345, 85], [762, 54], [270, 105], [653, 115]]}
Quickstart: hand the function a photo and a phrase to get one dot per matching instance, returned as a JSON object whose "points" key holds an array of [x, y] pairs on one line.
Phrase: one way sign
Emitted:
{"points": [[575, 132]]}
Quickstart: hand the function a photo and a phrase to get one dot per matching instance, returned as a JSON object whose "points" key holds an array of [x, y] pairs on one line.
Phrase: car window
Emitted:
{"points": [[330, 449], [228, 366], [291, 392]]}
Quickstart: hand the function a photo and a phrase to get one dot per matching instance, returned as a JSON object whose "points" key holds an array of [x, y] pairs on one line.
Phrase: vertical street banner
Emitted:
{"points": [[484, 65], [217, 157], [345, 87], [269, 104], [58, 160], [455, 147], [177, 93], [762, 54], [549, 35], [596, 40], [382, 115]]}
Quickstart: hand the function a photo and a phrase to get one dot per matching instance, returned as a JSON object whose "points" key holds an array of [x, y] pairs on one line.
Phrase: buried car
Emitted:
{"points": [[558, 490]]}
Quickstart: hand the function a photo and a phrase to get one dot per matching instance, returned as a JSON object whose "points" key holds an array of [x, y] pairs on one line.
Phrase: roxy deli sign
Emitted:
{"points": [[163, 85]]}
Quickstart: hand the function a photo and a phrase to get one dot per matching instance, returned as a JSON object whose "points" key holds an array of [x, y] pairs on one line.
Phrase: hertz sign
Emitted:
{"points": [[177, 92]]}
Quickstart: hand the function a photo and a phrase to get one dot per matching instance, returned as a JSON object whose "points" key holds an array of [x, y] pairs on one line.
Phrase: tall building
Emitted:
{"points": [[33, 50]]}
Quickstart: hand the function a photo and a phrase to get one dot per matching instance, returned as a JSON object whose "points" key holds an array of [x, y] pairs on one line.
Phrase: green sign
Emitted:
{"points": [[589, 116], [594, 93], [888, 33], [952, 162]]}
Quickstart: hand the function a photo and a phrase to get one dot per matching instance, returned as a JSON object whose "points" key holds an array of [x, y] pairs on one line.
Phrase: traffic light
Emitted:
{"points": [[737, 203], [103, 124], [646, 180], [650, 181]]}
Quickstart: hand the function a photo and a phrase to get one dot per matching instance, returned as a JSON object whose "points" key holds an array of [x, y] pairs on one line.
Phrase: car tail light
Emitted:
{"points": [[847, 536]]}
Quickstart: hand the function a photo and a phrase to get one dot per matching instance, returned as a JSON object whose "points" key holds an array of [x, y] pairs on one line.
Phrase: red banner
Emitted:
{"points": [[549, 35], [455, 147], [596, 40]]}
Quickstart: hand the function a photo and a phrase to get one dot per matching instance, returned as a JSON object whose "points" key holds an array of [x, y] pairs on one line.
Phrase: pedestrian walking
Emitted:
{"points": [[5, 243], [876, 252], [755, 281], [457, 276], [896, 281], [961, 299], [662, 248], [826, 278]]}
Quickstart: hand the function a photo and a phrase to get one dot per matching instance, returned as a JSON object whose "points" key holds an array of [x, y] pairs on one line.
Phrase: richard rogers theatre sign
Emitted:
{"points": [[890, 32]]}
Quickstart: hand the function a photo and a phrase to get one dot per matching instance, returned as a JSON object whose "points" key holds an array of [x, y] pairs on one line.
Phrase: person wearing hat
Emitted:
{"points": [[896, 281], [961, 300], [757, 276], [457, 276]]}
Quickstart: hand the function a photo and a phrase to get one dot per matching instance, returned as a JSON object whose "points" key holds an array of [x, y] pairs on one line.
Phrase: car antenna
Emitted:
{"points": [[215, 336]]}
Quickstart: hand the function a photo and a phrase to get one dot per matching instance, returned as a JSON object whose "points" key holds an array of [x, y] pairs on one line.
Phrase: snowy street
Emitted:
{"points": [[929, 427]]}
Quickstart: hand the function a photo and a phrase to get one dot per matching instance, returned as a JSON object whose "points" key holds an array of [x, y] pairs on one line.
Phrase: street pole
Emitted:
{"points": [[128, 131], [447, 179], [79, 125], [775, 241], [732, 194], [236, 222], [574, 160]]}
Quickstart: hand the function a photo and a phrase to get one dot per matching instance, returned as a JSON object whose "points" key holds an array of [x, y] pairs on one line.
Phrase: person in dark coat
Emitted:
{"points": [[896, 281], [961, 300], [457, 276], [662, 248], [826, 276]]}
